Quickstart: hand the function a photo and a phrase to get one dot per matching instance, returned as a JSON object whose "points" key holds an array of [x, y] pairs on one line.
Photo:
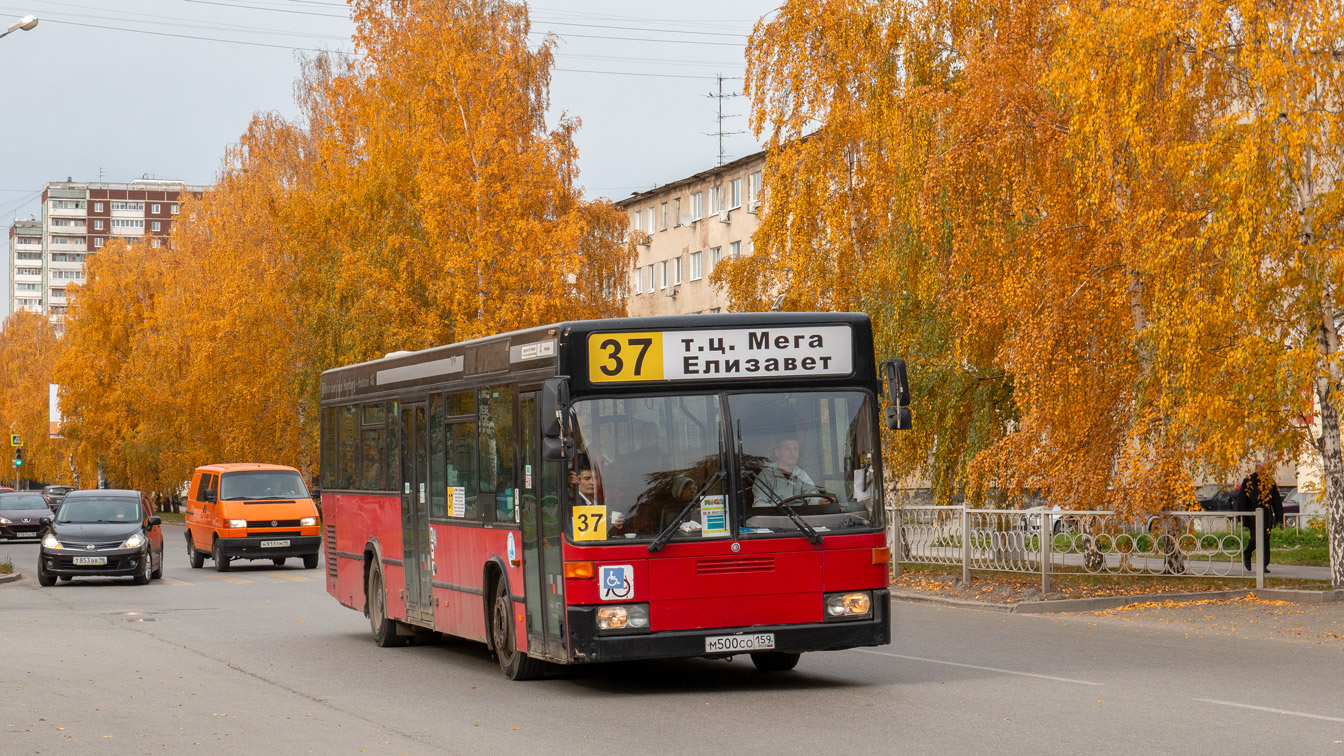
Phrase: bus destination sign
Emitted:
{"points": [[721, 353]]}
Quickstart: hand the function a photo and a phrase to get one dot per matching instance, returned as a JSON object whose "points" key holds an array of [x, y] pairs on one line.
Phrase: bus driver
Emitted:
{"points": [[783, 478]]}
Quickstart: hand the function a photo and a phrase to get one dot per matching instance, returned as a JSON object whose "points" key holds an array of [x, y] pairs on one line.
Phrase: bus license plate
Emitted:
{"points": [[722, 643], [273, 544], [90, 560]]}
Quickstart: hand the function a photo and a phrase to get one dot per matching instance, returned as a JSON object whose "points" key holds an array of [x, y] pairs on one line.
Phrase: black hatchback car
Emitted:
{"points": [[21, 514], [54, 494], [105, 532]]}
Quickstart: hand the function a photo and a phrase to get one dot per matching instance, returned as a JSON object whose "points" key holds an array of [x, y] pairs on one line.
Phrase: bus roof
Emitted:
{"points": [[544, 347]]}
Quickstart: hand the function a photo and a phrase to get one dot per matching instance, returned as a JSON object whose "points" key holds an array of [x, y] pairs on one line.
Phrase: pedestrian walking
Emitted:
{"points": [[1259, 491]]}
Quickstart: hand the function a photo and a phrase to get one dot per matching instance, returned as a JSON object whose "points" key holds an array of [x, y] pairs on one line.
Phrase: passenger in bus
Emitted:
{"points": [[783, 477]]}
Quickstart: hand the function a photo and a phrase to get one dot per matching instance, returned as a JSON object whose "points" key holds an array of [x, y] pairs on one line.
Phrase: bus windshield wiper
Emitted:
{"points": [[666, 535], [813, 537]]}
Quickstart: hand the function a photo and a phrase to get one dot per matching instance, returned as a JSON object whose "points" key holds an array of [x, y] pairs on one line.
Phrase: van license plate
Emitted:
{"points": [[90, 560], [721, 643], [273, 544]]}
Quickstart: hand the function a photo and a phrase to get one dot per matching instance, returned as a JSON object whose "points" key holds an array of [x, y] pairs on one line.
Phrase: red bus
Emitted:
{"points": [[616, 489]]}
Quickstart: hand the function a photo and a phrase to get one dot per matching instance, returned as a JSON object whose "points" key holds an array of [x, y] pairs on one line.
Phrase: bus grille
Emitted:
{"points": [[331, 551], [727, 566]]}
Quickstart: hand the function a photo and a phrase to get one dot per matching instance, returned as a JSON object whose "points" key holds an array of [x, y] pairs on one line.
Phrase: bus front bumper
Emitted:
{"points": [[586, 645]]}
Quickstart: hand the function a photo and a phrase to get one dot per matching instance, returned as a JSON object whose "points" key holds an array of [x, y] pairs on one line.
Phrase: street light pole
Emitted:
{"points": [[25, 23]]}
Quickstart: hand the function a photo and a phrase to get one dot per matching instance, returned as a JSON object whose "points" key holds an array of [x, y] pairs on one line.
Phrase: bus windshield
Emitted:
{"points": [[717, 466]]}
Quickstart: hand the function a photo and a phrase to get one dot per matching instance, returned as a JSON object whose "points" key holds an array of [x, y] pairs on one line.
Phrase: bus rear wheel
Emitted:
{"points": [[384, 629], [774, 661], [515, 664]]}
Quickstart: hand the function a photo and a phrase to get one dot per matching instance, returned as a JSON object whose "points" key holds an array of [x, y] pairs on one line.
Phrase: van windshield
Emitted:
{"points": [[253, 485]]}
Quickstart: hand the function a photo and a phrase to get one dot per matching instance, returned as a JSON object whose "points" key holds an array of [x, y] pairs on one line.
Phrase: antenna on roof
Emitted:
{"points": [[721, 133]]}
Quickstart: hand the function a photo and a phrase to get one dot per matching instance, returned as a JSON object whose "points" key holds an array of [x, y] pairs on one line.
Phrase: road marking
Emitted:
{"points": [[228, 579], [984, 669], [1270, 710], [171, 581], [288, 576]]}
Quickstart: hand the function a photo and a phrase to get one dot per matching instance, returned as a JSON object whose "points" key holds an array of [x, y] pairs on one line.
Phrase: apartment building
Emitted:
{"points": [[688, 227], [78, 218]]}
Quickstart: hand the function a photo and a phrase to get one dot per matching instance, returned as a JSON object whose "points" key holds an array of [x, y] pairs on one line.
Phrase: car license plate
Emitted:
{"points": [[91, 560], [722, 643], [273, 544]]}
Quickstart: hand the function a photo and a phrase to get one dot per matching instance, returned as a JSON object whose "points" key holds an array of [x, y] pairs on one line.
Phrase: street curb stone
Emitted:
{"points": [[1102, 603], [11, 577]]}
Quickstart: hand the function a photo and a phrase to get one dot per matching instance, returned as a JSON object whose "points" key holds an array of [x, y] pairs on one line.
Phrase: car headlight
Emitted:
{"points": [[237, 523], [623, 618], [308, 522], [134, 542], [49, 542], [5, 521], [851, 605]]}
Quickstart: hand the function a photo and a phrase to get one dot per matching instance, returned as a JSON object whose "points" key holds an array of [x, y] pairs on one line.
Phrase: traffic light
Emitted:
{"points": [[18, 457]]}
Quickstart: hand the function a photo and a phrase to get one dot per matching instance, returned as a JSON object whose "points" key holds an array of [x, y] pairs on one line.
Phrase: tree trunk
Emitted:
{"points": [[1332, 464]]}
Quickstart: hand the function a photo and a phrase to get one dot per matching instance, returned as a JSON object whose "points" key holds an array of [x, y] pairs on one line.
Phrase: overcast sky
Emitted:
{"points": [[116, 90]]}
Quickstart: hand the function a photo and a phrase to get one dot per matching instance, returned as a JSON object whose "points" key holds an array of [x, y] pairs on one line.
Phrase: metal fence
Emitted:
{"points": [[1191, 544]]}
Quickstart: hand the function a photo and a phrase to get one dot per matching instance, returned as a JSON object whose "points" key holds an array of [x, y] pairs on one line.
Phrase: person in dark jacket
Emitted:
{"points": [[1259, 491]]}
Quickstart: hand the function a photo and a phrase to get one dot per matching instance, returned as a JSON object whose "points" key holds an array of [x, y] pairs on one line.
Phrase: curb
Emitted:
{"points": [[10, 577], [1102, 603]]}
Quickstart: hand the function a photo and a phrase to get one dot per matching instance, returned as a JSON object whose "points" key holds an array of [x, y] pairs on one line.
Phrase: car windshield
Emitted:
{"points": [[22, 501], [688, 467], [261, 484], [99, 509]]}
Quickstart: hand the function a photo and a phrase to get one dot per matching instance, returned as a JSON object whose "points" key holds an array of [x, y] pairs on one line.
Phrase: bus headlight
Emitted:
{"points": [[847, 606], [623, 618]]}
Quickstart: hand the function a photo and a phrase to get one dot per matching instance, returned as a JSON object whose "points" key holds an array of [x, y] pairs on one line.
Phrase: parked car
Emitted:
{"points": [[21, 515], [106, 532], [54, 494], [250, 511]]}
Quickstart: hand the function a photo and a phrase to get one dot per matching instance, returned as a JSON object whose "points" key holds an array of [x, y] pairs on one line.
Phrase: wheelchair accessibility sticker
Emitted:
{"points": [[617, 582]]}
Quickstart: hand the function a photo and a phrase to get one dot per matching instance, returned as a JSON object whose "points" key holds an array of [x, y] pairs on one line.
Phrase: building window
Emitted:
{"points": [[653, 224], [173, 208], [156, 243], [696, 273], [97, 225], [676, 270], [638, 220], [677, 209], [713, 259], [715, 200], [97, 243], [650, 288], [97, 207], [662, 275], [28, 287], [158, 226], [697, 206], [754, 187], [155, 209], [662, 226], [735, 193], [735, 249], [639, 280]]}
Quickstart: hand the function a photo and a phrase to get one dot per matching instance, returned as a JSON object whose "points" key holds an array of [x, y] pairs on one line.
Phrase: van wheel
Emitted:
{"points": [[310, 561], [384, 629], [193, 555], [279, 561], [774, 661], [221, 560], [515, 664]]}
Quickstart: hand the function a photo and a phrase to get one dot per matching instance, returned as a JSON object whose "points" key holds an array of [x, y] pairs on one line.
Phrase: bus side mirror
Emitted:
{"points": [[898, 395], [557, 438]]}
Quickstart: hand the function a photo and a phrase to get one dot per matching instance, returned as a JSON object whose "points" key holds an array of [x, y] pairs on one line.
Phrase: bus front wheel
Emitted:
{"points": [[384, 629], [774, 661], [516, 664]]}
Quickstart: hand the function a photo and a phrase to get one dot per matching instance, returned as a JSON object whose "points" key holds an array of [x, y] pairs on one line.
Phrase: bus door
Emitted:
{"points": [[416, 554], [542, 569]]}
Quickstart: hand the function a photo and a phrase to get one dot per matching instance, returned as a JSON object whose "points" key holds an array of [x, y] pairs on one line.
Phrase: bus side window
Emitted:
{"points": [[347, 442]]}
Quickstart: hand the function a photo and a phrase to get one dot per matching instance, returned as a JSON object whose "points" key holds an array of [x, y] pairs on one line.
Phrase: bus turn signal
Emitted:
{"points": [[578, 570]]}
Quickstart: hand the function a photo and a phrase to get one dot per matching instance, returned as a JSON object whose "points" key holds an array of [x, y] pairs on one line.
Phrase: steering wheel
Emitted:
{"points": [[828, 498]]}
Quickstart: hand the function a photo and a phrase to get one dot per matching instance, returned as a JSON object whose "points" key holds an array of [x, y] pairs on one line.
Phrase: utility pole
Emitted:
{"points": [[720, 96]]}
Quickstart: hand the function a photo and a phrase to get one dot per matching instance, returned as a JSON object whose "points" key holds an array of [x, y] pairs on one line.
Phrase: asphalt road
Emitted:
{"points": [[262, 660]]}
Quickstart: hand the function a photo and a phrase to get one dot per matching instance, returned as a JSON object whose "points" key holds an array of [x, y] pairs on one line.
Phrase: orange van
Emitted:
{"points": [[250, 511]]}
